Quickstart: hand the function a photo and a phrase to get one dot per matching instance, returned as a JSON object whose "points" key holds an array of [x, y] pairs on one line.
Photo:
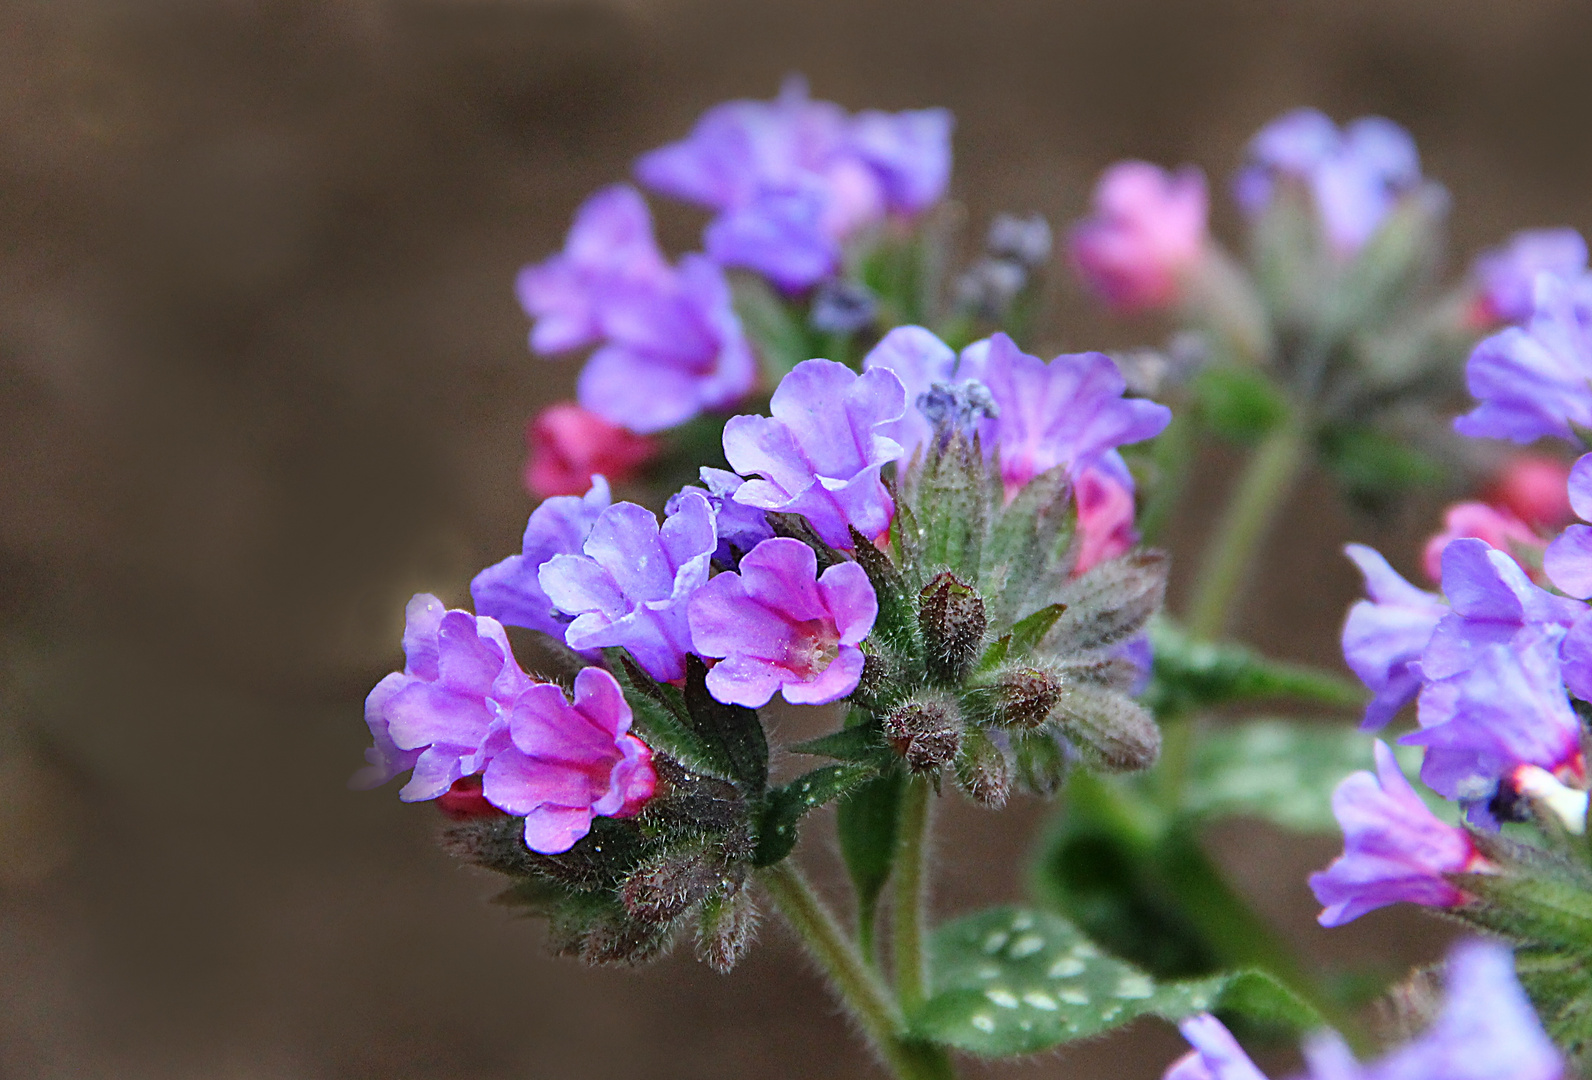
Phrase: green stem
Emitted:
{"points": [[853, 980], [910, 896], [1231, 550]]}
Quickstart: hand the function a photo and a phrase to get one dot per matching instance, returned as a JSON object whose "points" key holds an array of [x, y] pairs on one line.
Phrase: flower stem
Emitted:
{"points": [[910, 896], [853, 980], [1250, 512]]}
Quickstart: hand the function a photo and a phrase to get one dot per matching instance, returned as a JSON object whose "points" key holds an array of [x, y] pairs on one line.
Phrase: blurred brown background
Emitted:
{"points": [[263, 377]]}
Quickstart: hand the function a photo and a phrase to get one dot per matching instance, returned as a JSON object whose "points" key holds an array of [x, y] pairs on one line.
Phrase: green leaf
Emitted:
{"points": [[1029, 550], [1238, 403], [661, 719], [1029, 631], [897, 622], [732, 733], [866, 821], [1277, 771], [784, 806], [861, 742], [952, 499], [1191, 674], [1011, 981], [1374, 468], [776, 331]]}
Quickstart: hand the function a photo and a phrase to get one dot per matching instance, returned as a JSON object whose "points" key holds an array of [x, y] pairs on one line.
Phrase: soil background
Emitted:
{"points": [[262, 376]]}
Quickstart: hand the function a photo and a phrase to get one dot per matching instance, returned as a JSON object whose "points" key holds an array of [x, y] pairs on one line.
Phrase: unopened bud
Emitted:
{"points": [[1113, 732], [1024, 240], [951, 616], [618, 940], [842, 307], [1018, 696], [983, 769], [666, 885], [926, 730], [728, 927]]}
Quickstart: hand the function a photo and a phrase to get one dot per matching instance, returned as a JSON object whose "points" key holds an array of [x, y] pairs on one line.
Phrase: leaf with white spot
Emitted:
{"points": [[1010, 981]]}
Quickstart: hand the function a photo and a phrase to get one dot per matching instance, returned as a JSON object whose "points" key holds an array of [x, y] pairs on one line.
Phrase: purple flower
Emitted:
{"points": [[1536, 379], [919, 359], [673, 348], [1068, 412], [1383, 637], [509, 591], [740, 528], [562, 764], [779, 625], [1394, 848], [609, 243], [793, 177], [1148, 231], [1355, 176], [820, 453], [1486, 1030], [630, 585], [1568, 560], [438, 714], [1506, 276], [1216, 1054]]}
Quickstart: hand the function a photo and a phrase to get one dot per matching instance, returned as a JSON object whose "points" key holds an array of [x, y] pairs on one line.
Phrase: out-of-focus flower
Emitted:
{"points": [[1147, 233], [793, 177], [569, 445], [1068, 412], [779, 625], [1536, 379], [609, 244], [1105, 518], [740, 528], [437, 715], [563, 764], [1568, 561], [1025, 241], [842, 307], [672, 349], [1496, 528], [1216, 1054], [1384, 636], [1506, 276], [1394, 848], [919, 359], [509, 591], [1356, 177], [820, 453], [1533, 487], [631, 583]]}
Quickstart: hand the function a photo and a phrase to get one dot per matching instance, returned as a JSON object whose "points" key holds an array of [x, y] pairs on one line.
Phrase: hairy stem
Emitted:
{"points": [[910, 896], [853, 980]]}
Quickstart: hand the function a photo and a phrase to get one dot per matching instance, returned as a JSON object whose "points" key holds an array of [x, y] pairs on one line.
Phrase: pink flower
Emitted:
{"points": [[1533, 488], [1496, 528], [1147, 233], [569, 445], [780, 626], [1105, 519]]}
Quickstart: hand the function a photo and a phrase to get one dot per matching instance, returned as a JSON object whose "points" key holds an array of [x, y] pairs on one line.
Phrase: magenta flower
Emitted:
{"points": [[1105, 519], [1216, 1054], [1147, 233], [1568, 560], [780, 626], [1533, 488], [438, 714], [1394, 848], [562, 764], [1506, 276], [1068, 412], [1383, 637], [630, 584], [509, 591], [820, 453], [569, 445], [609, 244], [1498, 529], [673, 348]]}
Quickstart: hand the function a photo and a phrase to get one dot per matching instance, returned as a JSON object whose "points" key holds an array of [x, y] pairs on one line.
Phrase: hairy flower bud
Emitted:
{"points": [[951, 616], [1018, 696], [984, 770], [926, 730], [1113, 732], [728, 928], [666, 885]]}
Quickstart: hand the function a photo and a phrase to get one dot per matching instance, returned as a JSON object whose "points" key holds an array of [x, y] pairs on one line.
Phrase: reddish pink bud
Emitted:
{"points": [[464, 800], [1105, 519], [1534, 487], [1494, 527], [568, 445], [1147, 232]]}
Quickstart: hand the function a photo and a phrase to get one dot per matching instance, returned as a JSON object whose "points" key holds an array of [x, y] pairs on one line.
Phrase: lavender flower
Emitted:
{"points": [[1383, 637], [563, 764], [1506, 276], [436, 715], [1536, 379], [820, 453], [674, 347], [1148, 231], [630, 585], [609, 243], [919, 359], [1568, 560], [1394, 848], [1068, 412], [779, 625], [909, 152], [1216, 1054], [509, 591], [1355, 176], [740, 528]]}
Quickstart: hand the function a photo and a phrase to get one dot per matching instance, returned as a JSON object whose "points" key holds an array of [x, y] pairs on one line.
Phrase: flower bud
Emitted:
{"points": [[1017, 696], [926, 730], [1147, 233], [951, 617], [569, 444], [1533, 487], [728, 927], [1113, 732], [666, 885], [983, 769], [464, 801]]}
